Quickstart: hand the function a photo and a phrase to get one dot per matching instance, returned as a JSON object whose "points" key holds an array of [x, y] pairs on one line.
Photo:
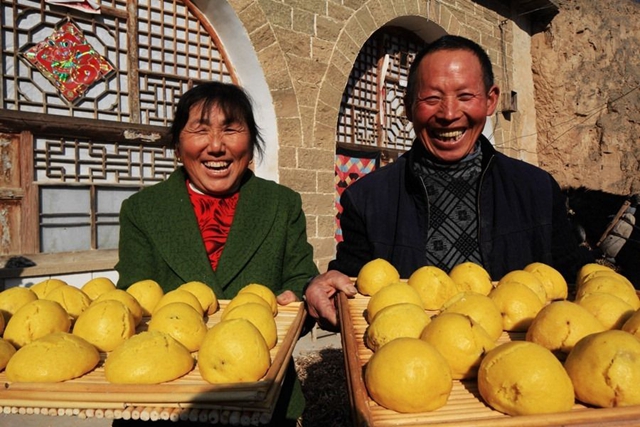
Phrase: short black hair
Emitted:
{"points": [[231, 99], [449, 42]]}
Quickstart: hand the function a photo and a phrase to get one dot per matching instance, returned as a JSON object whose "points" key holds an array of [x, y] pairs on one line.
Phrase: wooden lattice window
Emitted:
{"points": [[80, 158], [371, 113]]}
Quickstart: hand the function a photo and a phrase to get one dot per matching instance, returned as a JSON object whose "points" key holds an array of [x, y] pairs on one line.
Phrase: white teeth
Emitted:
{"points": [[216, 165], [450, 134]]}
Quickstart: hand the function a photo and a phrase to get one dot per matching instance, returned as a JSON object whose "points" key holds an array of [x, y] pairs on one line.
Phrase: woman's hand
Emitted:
{"points": [[319, 297], [286, 297]]}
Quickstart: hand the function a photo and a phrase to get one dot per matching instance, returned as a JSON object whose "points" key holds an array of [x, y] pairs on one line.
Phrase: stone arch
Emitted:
{"points": [[428, 20]]}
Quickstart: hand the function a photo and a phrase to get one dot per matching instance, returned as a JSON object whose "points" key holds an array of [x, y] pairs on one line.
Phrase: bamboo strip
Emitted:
{"points": [[154, 414], [245, 418], [203, 416], [224, 416], [234, 418], [165, 413], [214, 416], [255, 419], [175, 414], [126, 413], [193, 415]]}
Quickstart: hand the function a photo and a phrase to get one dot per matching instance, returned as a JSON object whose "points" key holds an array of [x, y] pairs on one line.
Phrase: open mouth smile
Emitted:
{"points": [[447, 135], [217, 165]]}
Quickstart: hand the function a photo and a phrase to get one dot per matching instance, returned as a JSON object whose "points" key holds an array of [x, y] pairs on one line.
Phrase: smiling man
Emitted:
{"points": [[452, 197]]}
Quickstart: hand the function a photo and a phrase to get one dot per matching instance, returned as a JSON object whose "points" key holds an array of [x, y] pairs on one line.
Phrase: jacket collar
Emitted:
{"points": [[181, 242]]}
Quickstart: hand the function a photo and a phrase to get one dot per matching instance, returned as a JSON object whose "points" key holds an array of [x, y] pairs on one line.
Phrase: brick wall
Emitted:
{"points": [[306, 49]]}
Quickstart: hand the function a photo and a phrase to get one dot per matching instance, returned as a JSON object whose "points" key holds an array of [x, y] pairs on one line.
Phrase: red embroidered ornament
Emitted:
{"points": [[68, 61]]}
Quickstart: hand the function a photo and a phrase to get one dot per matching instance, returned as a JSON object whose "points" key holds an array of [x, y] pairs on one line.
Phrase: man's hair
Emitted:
{"points": [[449, 42]]}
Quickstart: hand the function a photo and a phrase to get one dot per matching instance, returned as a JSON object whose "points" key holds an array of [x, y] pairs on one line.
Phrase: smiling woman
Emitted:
{"points": [[213, 221]]}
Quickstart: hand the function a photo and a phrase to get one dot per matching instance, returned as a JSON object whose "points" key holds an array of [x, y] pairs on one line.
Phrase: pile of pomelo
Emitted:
{"points": [[531, 347], [53, 331]]}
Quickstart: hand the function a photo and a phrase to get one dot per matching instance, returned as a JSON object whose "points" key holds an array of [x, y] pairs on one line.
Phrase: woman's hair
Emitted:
{"points": [[232, 100], [449, 42]]}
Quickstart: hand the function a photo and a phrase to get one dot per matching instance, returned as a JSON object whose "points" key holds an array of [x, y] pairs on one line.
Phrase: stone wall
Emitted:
{"points": [[306, 49], [587, 82]]}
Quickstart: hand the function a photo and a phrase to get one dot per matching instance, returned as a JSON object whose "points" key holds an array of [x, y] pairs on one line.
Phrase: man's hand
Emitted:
{"points": [[319, 296]]}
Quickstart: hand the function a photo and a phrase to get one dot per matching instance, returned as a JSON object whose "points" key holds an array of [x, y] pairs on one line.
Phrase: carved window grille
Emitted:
{"points": [[371, 112], [158, 49]]}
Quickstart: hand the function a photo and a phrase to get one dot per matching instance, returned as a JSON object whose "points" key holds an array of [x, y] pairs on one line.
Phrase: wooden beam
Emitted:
{"points": [[78, 127]]}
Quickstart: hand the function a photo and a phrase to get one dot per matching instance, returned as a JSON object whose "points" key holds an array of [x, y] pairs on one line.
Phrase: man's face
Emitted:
{"points": [[451, 103]]}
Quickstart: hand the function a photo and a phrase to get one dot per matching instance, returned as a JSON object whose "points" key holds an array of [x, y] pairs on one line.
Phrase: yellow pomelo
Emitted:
{"points": [[55, 357], [7, 350], [609, 309], [264, 292], [518, 305], [72, 299], [395, 321], [525, 278], [233, 351], [605, 369], [97, 286], [44, 287], [148, 293], [470, 276], [105, 324], [182, 322], [13, 298], [127, 299], [609, 273], [555, 285], [434, 286], [461, 341], [35, 320], [149, 357], [632, 325], [261, 317], [587, 269], [244, 298], [179, 295], [480, 308], [524, 378], [611, 285], [205, 295], [408, 375], [389, 295], [561, 324], [374, 275]]}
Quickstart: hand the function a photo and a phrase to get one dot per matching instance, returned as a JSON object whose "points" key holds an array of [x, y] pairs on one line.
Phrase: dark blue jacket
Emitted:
{"points": [[521, 210]]}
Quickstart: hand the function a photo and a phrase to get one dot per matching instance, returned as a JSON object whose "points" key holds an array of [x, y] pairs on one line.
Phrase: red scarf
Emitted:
{"points": [[214, 216]]}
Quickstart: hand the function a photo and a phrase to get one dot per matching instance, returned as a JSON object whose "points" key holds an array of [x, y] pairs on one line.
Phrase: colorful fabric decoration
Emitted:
{"points": [[68, 61], [350, 166]]}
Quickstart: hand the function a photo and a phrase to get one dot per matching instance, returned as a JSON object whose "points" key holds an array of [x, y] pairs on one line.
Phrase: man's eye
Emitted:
{"points": [[431, 100], [466, 97]]}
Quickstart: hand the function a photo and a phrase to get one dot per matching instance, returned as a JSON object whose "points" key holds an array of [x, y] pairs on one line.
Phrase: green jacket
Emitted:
{"points": [[267, 243]]}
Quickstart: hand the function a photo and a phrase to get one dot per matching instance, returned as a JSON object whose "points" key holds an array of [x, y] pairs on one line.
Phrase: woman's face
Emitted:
{"points": [[215, 152]]}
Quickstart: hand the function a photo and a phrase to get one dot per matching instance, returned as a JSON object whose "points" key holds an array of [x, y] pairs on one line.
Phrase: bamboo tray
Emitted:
{"points": [[186, 398], [465, 407]]}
